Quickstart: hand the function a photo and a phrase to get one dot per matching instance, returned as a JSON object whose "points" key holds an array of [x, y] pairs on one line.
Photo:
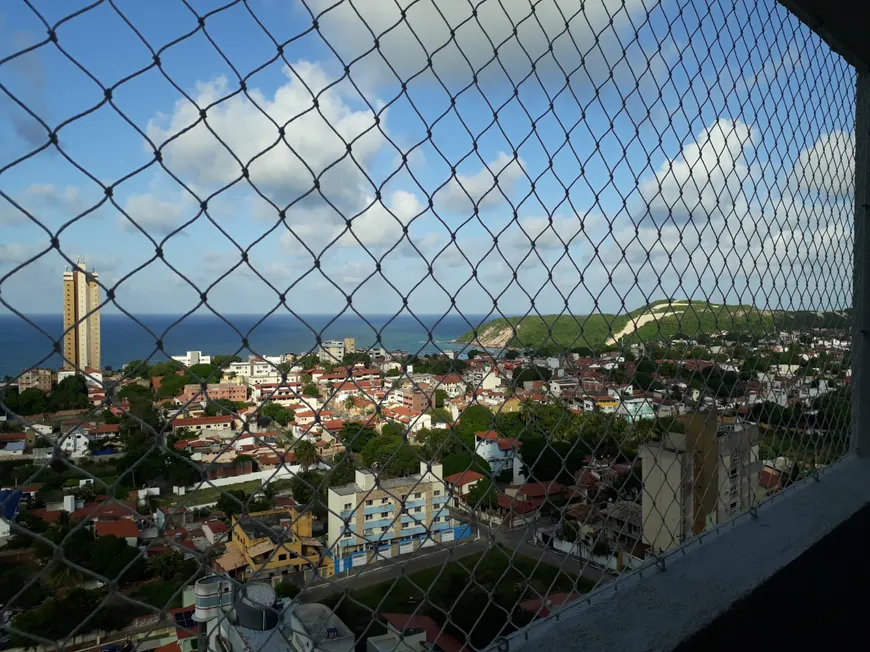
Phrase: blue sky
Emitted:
{"points": [[659, 149]]}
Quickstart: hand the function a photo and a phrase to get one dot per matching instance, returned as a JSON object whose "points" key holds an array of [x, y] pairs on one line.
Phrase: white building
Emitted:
{"points": [[502, 453], [334, 350], [75, 444], [259, 622], [191, 358], [369, 522], [486, 378]]}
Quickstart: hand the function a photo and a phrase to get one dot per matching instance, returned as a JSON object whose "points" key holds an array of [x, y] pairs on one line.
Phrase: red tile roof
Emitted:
{"points": [[463, 478], [434, 635], [216, 527], [769, 479], [536, 489], [509, 443], [104, 429], [489, 435], [13, 436], [122, 528]]}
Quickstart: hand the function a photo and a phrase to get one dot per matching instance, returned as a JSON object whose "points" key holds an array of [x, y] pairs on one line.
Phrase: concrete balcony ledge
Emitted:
{"points": [[663, 605]]}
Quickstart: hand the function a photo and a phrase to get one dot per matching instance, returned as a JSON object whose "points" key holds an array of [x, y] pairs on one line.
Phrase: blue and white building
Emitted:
{"points": [[373, 519]]}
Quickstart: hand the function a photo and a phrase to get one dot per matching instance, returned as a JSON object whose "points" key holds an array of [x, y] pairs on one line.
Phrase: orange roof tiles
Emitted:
{"points": [[123, 528]]}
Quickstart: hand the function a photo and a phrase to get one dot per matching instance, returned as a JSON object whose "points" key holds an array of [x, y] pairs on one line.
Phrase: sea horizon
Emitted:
{"points": [[123, 339]]}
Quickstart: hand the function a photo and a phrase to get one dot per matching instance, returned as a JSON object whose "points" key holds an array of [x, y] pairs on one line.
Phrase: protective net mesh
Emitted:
{"points": [[566, 285]]}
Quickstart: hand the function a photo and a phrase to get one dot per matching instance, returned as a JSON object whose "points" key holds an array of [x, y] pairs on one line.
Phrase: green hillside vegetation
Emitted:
{"points": [[563, 331], [663, 320]]}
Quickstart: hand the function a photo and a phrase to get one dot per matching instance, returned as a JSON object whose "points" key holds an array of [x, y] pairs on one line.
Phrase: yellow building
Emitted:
{"points": [[275, 544], [81, 317]]}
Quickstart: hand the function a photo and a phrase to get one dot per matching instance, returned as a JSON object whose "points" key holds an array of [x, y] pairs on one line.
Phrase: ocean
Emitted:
{"points": [[23, 346]]}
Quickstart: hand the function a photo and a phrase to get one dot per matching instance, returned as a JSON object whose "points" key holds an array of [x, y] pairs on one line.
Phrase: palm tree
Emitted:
{"points": [[348, 403], [305, 453]]}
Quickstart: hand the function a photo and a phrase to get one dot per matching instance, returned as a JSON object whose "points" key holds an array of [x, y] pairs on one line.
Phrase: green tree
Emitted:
{"points": [[137, 369], [277, 413], [70, 394], [464, 461], [391, 456], [440, 397], [221, 361], [473, 353], [30, 401], [483, 495], [224, 406], [523, 374], [354, 435], [393, 373], [229, 501], [343, 470], [310, 389], [305, 453]]}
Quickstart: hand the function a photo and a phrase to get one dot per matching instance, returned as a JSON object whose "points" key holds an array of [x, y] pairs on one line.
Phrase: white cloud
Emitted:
{"points": [[706, 179], [14, 253], [828, 166], [488, 188], [315, 137], [45, 202], [155, 215], [521, 31], [377, 226]]}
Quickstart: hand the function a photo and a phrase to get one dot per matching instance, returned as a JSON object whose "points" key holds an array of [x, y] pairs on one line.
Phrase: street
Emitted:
{"points": [[482, 538]]}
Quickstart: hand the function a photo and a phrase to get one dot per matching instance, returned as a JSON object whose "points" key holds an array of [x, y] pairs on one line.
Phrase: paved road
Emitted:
{"points": [[392, 568]]}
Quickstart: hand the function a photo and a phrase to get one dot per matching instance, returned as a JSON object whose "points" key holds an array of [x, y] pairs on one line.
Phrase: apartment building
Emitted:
{"points": [[696, 480], [191, 358], [213, 392], [418, 397], [334, 350], [369, 522], [35, 379], [274, 544], [81, 317]]}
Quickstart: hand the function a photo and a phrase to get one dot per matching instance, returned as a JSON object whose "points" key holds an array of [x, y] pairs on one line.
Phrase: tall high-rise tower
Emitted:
{"points": [[81, 295]]}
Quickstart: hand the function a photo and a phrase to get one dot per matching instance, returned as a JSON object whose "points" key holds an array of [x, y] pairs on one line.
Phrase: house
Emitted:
{"points": [[406, 632], [104, 430], [75, 443], [213, 392], [203, 424], [453, 384], [460, 485], [124, 528], [769, 483], [502, 454], [624, 522], [274, 544], [215, 531], [12, 449], [521, 503], [588, 521]]}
